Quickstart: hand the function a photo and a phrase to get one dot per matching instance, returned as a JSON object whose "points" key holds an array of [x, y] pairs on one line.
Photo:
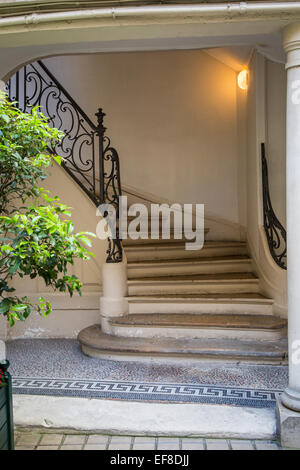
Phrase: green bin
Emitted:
{"points": [[6, 410]]}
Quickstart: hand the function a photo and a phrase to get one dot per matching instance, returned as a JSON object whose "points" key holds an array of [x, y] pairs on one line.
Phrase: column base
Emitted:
{"points": [[291, 399], [288, 425]]}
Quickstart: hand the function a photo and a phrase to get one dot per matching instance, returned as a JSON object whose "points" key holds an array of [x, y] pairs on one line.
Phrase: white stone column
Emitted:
{"points": [[291, 42]]}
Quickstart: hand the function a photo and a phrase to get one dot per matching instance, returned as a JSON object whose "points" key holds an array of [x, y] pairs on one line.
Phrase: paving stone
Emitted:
{"points": [[95, 447], [166, 443], [71, 447], [120, 443], [119, 447], [241, 445], [144, 443], [47, 448], [97, 439], [144, 447], [24, 447], [51, 439], [266, 445], [74, 439], [28, 439], [192, 444], [216, 444]]}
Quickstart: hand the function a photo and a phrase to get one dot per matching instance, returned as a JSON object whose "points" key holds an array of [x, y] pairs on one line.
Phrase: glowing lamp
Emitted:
{"points": [[242, 79]]}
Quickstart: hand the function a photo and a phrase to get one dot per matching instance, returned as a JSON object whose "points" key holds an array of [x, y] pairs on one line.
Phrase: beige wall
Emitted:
{"points": [[172, 117], [266, 111], [262, 121], [254, 127], [276, 123]]}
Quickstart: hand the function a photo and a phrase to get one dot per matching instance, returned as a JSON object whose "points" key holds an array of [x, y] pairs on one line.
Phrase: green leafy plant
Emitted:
{"points": [[35, 237]]}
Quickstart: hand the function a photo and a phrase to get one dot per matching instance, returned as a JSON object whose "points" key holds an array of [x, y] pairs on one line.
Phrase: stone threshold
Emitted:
{"points": [[144, 418]]}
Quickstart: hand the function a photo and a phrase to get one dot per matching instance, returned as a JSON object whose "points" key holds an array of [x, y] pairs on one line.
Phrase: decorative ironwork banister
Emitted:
{"points": [[275, 232], [88, 156]]}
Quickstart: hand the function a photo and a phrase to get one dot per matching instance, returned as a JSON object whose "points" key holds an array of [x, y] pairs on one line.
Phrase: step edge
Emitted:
{"points": [[280, 353], [181, 262], [199, 300], [183, 325], [194, 354], [144, 281], [144, 246], [198, 327]]}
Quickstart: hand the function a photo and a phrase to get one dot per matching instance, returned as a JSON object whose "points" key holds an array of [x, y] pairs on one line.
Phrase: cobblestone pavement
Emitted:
{"points": [[27, 439]]}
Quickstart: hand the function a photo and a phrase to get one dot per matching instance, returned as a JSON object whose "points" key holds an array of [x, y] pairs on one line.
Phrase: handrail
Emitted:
{"points": [[87, 154], [275, 232]]}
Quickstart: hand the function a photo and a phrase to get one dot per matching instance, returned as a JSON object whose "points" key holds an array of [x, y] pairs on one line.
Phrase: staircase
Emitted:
{"points": [[181, 304], [190, 305]]}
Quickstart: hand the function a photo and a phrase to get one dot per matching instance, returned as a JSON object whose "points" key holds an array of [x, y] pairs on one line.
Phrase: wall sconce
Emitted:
{"points": [[242, 79]]}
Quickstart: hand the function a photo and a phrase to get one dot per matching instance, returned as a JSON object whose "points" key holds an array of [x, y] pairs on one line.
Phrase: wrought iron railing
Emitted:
{"points": [[87, 153], [275, 232]]}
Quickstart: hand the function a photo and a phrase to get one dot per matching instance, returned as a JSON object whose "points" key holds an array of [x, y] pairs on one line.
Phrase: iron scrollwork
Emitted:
{"points": [[87, 154], [34, 85], [110, 184], [275, 232]]}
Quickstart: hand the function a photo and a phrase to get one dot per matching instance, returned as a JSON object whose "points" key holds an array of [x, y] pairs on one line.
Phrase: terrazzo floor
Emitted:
{"points": [[62, 358], [57, 367]]}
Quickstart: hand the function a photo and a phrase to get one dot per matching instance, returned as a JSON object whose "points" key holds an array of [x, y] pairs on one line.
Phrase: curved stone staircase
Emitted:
{"points": [[190, 305]]}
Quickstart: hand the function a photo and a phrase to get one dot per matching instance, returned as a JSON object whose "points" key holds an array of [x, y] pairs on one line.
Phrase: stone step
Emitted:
{"points": [[97, 344], [189, 326], [162, 250], [161, 222], [206, 303], [192, 266], [168, 238], [201, 284]]}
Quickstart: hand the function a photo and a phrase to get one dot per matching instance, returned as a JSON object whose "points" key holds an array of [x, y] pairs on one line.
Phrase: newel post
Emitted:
{"points": [[113, 301]]}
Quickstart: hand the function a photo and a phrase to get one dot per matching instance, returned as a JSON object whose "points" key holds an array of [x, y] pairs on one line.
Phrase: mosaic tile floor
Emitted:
{"points": [[58, 367]]}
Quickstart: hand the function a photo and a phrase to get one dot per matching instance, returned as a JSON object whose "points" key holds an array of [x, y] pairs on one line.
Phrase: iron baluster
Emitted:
{"points": [[100, 132]]}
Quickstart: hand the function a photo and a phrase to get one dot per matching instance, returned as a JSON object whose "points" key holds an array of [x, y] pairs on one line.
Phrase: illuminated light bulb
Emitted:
{"points": [[242, 79]]}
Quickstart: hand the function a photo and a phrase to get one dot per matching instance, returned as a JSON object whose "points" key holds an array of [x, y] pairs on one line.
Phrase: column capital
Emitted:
{"points": [[291, 44]]}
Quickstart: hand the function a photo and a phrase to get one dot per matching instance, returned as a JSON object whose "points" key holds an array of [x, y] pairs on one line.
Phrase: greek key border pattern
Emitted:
{"points": [[140, 391]]}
